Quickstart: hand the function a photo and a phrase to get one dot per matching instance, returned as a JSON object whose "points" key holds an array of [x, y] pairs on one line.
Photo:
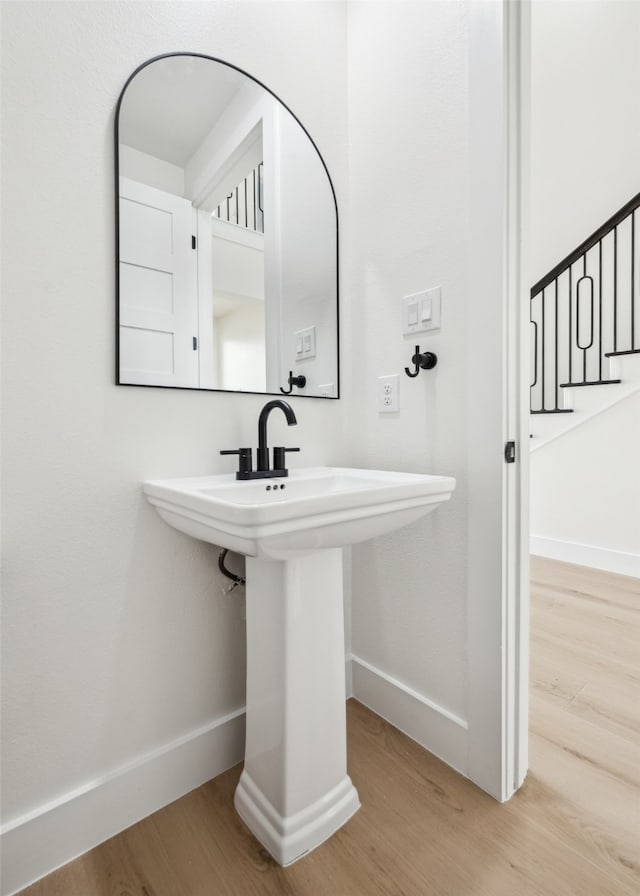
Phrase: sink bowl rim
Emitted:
{"points": [[379, 487], [273, 527]]}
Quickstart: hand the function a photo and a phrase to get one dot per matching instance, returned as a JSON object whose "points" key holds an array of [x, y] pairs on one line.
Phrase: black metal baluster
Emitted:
{"points": [[600, 309], [535, 351], [633, 281], [253, 196], [555, 384], [615, 289], [584, 348], [584, 353], [542, 373], [570, 327]]}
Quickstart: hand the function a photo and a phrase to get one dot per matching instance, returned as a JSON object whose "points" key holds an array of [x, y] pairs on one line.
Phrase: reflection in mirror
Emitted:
{"points": [[226, 239]]}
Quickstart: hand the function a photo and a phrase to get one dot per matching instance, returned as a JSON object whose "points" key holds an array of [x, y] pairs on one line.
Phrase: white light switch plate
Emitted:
{"points": [[425, 306], [305, 343]]}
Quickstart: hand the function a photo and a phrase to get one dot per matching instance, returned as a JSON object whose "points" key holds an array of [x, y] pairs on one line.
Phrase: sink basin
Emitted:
{"points": [[311, 509], [294, 791]]}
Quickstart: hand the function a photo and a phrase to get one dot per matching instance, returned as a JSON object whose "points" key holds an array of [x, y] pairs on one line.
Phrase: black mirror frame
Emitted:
{"points": [[117, 230]]}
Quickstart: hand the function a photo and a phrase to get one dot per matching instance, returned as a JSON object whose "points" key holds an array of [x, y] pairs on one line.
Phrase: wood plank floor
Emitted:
{"points": [[572, 830]]}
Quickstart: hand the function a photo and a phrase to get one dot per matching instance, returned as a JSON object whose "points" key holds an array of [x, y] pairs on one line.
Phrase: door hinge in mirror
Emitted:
{"points": [[195, 343], [193, 242], [510, 452]]}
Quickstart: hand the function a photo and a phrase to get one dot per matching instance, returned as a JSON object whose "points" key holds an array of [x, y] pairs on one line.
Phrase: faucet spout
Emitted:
{"points": [[263, 450]]}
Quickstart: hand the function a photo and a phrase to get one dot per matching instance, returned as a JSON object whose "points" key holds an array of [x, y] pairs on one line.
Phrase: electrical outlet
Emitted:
{"points": [[388, 397]]}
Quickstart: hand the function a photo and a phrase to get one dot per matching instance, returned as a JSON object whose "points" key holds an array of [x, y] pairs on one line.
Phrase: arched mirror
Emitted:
{"points": [[227, 236]]}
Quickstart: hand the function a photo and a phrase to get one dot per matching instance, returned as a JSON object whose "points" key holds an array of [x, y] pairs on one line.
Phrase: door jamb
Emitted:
{"points": [[499, 36]]}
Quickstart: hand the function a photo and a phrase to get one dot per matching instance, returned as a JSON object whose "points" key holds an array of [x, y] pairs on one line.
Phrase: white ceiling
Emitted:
{"points": [[172, 104]]}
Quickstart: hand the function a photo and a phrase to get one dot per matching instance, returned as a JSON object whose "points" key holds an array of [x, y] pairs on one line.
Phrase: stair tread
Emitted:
{"points": [[556, 411], [590, 383]]}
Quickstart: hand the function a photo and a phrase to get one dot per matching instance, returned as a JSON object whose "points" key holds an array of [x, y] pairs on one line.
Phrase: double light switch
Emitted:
{"points": [[421, 311], [305, 343]]}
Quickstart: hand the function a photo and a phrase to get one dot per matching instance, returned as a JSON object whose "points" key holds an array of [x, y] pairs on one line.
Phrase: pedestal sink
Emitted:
{"points": [[294, 791]]}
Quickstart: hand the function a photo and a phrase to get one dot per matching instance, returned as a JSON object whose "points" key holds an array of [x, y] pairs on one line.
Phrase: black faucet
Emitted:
{"points": [[263, 451], [264, 471]]}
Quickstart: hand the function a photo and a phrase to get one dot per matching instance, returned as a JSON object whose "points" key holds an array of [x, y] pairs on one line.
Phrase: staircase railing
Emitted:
{"points": [[243, 206], [586, 310]]}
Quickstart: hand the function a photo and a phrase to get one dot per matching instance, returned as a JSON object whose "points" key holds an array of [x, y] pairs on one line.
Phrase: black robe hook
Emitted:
{"points": [[299, 381], [421, 361]]}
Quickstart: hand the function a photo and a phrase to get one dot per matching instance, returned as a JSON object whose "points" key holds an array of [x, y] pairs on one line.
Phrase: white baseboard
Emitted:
{"points": [[40, 841], [53, 834], [623, 563], [433, 727], [348, 675]]}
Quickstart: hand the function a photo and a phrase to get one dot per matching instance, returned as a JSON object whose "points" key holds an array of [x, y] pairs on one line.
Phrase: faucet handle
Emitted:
{"points": [[278, 457], [246, 463]]}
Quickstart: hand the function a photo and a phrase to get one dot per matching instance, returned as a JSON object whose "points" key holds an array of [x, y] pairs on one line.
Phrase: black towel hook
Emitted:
{"points": [[299, 381], [421, 361]]}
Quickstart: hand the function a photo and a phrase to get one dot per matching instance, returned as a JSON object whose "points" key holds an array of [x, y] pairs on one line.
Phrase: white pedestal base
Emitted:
{"points": [[294, 791], [288, 839]]}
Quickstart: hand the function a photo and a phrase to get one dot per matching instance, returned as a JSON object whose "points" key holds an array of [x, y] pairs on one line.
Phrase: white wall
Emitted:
{"points": [[585, 139], [118, 640], [240, 349], [237, 263], [150, 170], [584, 167], [408, 222], [585, 495]]}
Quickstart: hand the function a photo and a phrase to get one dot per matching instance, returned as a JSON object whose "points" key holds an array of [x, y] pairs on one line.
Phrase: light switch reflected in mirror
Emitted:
{"points": [[227, 236]]}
